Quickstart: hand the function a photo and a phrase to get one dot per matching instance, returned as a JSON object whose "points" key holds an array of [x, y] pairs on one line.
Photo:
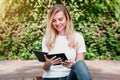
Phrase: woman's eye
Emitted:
{"points": [[53, 20], [60, 19]]}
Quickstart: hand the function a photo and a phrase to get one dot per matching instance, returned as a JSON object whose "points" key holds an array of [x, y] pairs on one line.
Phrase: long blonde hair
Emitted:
{"points": [[51, 33]]}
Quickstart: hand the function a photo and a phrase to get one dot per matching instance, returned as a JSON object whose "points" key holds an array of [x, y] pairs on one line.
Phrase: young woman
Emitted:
{"points": [[60, 37]]}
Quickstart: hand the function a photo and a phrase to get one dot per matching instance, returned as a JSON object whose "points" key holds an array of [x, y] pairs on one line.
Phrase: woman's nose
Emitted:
{"points": [[57, 22]]}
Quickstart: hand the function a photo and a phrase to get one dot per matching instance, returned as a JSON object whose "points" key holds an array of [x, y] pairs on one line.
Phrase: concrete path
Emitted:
{"points": [[27, 69]]}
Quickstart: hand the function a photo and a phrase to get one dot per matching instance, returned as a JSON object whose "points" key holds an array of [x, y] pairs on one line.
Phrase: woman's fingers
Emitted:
{"points": [[45, 57], [57, 61], [53, 60], [67, 63]]}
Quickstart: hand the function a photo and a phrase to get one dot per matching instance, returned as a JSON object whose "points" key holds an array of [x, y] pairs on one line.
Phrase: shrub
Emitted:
{"points": [[22, 26]]}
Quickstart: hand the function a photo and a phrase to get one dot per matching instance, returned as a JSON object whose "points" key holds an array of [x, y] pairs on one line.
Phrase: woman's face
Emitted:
{"points": [[59, 22]]}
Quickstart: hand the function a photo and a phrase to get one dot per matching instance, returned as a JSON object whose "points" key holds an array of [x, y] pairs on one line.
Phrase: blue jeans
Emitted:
{"points": [[79, 71]]}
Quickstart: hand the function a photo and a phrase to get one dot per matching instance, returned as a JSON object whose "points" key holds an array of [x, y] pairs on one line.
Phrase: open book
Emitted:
{"points": [[40, 55]]}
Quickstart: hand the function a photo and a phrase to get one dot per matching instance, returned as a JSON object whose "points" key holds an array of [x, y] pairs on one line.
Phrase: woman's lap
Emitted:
{"points": [[79, 71], [62, 78]]}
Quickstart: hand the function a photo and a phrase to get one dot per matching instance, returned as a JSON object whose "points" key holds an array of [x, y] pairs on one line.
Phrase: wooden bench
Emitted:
{"points": [[37, 78]]}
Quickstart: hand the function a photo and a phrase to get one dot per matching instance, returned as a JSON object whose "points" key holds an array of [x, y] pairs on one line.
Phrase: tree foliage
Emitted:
{"points": [[23, 23]]}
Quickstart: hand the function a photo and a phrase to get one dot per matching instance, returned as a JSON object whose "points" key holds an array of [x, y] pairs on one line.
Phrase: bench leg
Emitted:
{"points": [[38, 78]]}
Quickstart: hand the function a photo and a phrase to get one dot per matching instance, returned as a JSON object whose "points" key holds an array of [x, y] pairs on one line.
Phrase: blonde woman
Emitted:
{"points": [[60, 37]]}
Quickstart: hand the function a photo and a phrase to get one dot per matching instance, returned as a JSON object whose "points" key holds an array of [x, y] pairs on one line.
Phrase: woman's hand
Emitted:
{"points": [[51, 61], [68, 63]]}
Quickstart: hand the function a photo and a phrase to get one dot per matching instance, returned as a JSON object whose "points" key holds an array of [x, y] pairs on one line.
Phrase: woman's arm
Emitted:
{"points": [[79, 56], [69, 63]]}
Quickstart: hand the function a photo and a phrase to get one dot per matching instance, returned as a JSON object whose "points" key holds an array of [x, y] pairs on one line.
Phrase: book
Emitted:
{"points": [[40, 55]]}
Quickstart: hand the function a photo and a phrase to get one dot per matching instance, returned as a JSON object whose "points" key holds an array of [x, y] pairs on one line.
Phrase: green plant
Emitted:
{"points": [[23, 23]]}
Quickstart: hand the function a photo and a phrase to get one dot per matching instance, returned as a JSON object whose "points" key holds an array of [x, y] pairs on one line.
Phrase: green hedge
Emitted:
{"points": [[23, 23]]}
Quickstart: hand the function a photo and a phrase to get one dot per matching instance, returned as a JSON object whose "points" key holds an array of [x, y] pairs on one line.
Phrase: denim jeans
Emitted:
{"points": [[79, 71]]}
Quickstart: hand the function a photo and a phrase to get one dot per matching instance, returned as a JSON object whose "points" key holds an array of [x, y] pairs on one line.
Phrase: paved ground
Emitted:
{"points": [[26, 70]]}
